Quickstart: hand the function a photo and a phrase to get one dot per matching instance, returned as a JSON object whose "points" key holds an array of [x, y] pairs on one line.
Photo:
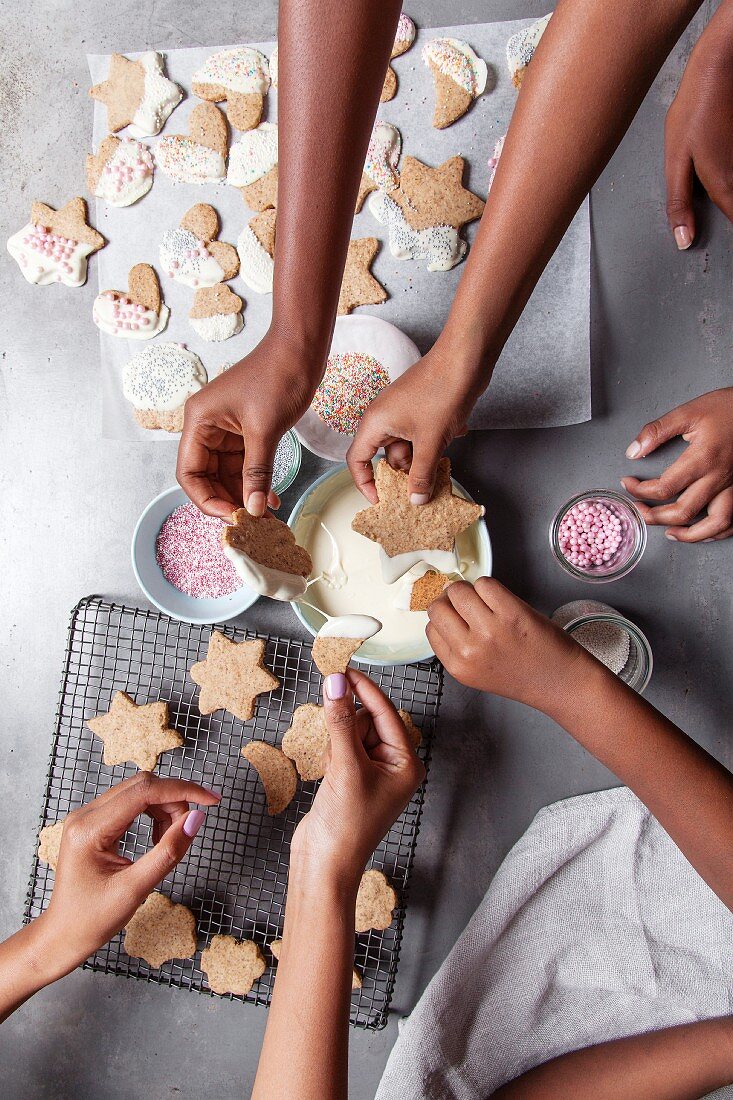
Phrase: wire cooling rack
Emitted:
{"points": [[235, 876]]}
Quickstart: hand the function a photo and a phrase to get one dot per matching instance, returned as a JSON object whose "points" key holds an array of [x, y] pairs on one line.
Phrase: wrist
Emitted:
{"points": [[304, 340], [314, 871], [467, 359], [43, 954], [579, 686]]}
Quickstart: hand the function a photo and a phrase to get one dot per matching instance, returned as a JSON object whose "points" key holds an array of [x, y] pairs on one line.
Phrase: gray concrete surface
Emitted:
{"points": [[661, 334]]}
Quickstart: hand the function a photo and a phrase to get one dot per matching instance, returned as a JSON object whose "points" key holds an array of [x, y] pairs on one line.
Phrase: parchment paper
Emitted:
{"points": [[543, 376]]}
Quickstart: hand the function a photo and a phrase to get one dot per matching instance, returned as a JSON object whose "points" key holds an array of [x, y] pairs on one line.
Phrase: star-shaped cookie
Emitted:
{"points": [[400, 527], [135, 734], [359, 287], [121, 92], [232, 676], [436, 196]]}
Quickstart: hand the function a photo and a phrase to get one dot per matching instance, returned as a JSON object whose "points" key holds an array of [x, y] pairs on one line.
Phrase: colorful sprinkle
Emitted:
{"points": [[189, 552], [350, 384]]}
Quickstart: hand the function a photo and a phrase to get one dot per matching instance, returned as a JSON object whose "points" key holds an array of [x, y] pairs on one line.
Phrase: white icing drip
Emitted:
{"points": [[220, 326], [125, 158], [160, 96], [440, 245], [187, 161], [274, 583], [256, 265], [253, 156], [350, 626], [187, 260], [240, 69], [457, 60], [521, 46], [128, 321], [42, 267], [406, 583], [442, 561], [162, 376], [335, 575]]}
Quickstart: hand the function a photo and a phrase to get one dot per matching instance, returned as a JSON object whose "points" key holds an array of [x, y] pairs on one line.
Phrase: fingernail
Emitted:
{"points": [[670, 536], [335, 685], [633, 449], [708, 540], [216, 794], [193, 822], [256, 504], [419, 498], [683, 237]]}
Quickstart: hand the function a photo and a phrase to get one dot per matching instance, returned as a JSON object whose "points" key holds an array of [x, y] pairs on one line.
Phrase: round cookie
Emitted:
{"points": [[158, 381]]}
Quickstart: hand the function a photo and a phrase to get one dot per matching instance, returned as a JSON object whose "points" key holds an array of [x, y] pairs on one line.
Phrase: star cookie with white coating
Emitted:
{"points": [[133, 733], [199, 156], [241, 77], [232, 676], [400, 527], [53, 247], [231, 965], [160, 930], [137, 94], [359, 287]]}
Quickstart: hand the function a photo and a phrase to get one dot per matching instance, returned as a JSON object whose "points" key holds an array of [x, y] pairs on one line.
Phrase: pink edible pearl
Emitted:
{"points": [[591, 533]]}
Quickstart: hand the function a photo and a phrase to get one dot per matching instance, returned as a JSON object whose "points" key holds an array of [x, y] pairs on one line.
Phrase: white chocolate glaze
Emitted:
{"points": [[160, 96], [350, 626], [440, 245], [241, 69], [458, 61], [521, 46], [253, 156], [186, 259], [46, 257], [274, 583], [256, 265], [220, 326], [443, 561], [118, 316]]}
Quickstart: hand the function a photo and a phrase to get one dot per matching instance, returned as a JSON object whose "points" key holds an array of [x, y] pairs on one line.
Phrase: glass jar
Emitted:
{"points": [[604, 632], [287, 462], [631, 528]]}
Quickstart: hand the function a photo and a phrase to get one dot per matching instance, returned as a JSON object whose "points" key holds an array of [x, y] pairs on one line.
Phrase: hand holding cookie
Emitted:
{"points": [[372, 773], [233, 426], [490, 640], [97, 890]]}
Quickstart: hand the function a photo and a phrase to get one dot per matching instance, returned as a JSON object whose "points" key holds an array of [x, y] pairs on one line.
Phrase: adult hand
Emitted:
{"points": [[489, 639], [701, 478], [698, 133], [96, 890], [233, 425], [414, 419], [371, 775]]}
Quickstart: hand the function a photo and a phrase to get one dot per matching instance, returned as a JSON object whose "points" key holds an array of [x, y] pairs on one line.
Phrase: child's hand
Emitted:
{"points": [[701, 478], [96, 890], [372, 773], [491, 640]]}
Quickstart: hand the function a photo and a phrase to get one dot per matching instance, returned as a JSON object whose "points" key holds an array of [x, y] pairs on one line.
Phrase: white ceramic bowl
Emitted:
{"points": [[372, 652], [154, 585]]}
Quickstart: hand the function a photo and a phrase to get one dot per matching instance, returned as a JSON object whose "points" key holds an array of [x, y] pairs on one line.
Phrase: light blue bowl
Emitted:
{"points": [[373, 652], [154, 585]]}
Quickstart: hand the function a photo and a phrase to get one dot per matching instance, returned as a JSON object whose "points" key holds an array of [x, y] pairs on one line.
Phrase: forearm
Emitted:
{"points": [[333, 55], [25, 967], [679, 1063], [591, 70], [688, 791], [305, 1050]]}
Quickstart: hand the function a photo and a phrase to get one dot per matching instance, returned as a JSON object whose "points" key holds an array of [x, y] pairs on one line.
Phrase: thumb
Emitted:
{"points": [[259, 455], [678, 169], [146, 872], [659, 431], [340, 714], [425, 457]]}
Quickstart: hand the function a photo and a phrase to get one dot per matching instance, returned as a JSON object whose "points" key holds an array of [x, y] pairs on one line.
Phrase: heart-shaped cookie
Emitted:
{"points": [[240, 76], [199, 156], [191, 255], [138, 314], [216, 313]]}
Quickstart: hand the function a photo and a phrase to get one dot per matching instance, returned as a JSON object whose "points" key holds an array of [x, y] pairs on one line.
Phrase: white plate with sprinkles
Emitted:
{"points": [[366, 354]]}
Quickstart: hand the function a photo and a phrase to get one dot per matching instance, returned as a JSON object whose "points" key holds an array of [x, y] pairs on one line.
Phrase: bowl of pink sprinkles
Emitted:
{"points": [[179, 563]]}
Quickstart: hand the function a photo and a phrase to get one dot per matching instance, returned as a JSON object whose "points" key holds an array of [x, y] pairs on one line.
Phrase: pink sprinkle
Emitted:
{"points": [[190, 554], [591, 533]]}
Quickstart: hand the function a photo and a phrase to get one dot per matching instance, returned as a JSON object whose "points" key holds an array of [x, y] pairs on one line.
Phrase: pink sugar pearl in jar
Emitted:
{"points": [[598, 535]]}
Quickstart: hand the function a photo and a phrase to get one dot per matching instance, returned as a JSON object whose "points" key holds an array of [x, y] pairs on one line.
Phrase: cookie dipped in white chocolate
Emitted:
{"points": [[256, 265], [253, 155], [160, 96], [162, 376], [118, 315], [274, 583], [442, 561], [521, 47], [186, 259], [456, 60], [440, 245], [350, 626]]}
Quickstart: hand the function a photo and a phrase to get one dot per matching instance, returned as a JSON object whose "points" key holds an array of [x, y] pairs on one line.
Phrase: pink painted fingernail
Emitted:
{"points": [[633, 449], [256, 504], [419, 498], [335, 685], [683, 237], [193, 822]]}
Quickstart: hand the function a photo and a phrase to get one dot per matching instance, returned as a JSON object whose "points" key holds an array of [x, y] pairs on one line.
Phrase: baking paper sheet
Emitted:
{"points": [[543, 376]]}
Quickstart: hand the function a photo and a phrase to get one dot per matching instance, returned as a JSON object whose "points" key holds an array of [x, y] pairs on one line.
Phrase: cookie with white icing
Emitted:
{"points": [[459, 76], [216, 313], [158, 381], [200, 155], [404, 37], [55, 244], [192, 255], [121, 172], [137, 94], [253, 166], [256, 250], [275, 67], [241, 77], [521, 47], [380, 167], [138, 313]]}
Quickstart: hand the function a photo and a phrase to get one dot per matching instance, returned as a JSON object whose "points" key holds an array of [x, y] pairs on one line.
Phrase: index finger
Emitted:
{"points": [[194, 477], [107, 818], [383, 712]]}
